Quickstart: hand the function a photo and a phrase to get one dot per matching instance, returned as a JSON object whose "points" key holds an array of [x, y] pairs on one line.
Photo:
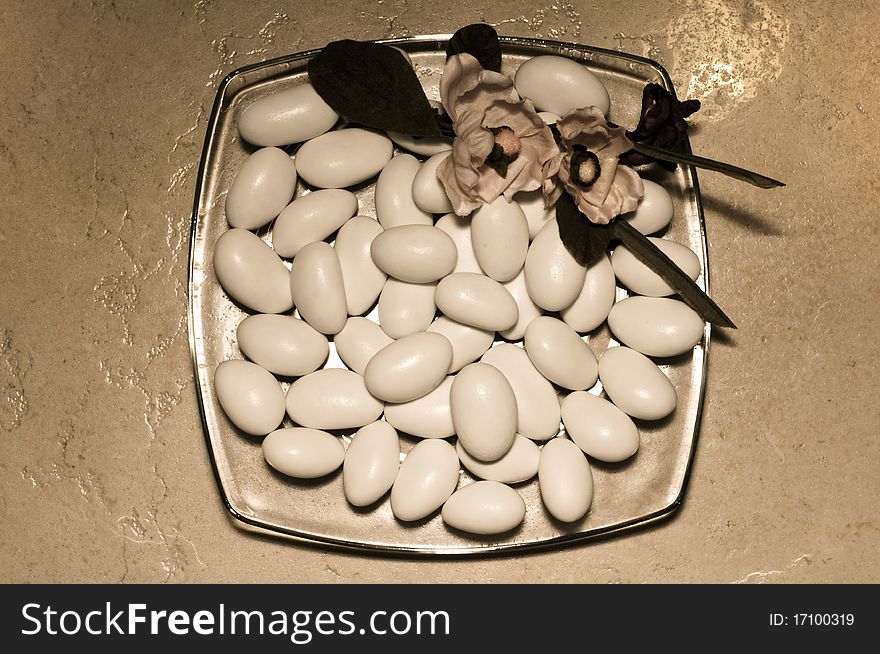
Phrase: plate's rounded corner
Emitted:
{"points": [[671, 510], [235, 514], [660, 68]]}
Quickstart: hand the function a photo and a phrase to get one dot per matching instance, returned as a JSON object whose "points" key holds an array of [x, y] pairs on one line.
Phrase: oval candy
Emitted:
{"points": [[343, 157], [426, 417], [251, 273], [483, 411], [565, 480], [476, 300], [656, 326], [560, 354], [553, 277], [317, 288], [406, 308], [332, 398], [311, 217], [395, 204], [559, 84], [283, 345], [427, 191], [415, 253], [599, 428], [519, 464], [427, 477], [250, 396], [484, 508], [408, 368], [362, 279], [500, 238], [537, 405], [359, 341], [635, 384], [262, 187], [655, 209], [303, 453], [595, 299], [284, 117], [371, 463], [638, 278]]}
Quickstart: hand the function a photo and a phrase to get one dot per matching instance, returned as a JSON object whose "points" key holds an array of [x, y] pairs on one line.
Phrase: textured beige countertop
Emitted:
{"points": [[104, 474]]}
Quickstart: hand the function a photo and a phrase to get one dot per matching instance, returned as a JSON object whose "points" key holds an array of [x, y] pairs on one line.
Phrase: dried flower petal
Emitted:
{"points": [[466, 86], [500, 145], [662, 122], [616, 190]]}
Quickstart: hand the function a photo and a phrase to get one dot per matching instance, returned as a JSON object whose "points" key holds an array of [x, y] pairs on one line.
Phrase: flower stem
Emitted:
{"points": [[741, 174]]}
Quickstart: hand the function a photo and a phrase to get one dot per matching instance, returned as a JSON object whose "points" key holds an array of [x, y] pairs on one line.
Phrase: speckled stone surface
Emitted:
{"points": [[104, 474]]}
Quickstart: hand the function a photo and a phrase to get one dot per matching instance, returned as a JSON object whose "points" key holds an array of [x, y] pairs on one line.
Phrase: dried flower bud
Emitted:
{"points": [[661, 124]]}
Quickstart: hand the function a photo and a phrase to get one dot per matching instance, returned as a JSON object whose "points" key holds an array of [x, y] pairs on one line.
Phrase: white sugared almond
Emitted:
{"points": [[565, 480], [656, 326], [262, 187], [311, 217], [559, 353], [408, 368], [284, 117], [371, 463], [635, 384], [250, 396], [599, 428], [476, 300], [485, 508], [303, 453], [332, 399], [317, 288], [343, 158], [414, 253], [427, 477], [483, 411], [283, 345], [251, 273]]}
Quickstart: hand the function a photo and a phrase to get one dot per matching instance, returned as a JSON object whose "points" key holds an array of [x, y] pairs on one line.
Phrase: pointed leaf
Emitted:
{"points": [[479, 40], [741, 174], [374, 85]]}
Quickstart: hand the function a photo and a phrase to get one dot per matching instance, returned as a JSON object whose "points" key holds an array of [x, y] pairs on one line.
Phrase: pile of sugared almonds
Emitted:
{"points": [[464, 334]]}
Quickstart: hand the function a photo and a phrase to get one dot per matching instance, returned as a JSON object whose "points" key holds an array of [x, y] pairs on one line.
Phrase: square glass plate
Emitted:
{"points": [[642, 490]]}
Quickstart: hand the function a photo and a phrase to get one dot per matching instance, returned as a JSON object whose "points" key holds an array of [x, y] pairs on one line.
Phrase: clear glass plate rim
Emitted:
{"points": [[245, 522]]}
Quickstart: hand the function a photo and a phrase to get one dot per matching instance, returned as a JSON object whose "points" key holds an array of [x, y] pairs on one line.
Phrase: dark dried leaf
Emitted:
{"points": [[479, 40], [743, 175], [372, 84], [585, 240], [656, 260]]}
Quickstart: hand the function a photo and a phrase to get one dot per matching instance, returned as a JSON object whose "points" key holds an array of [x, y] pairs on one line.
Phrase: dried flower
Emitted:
{"points": [[589, 170], [500, 145], [661, 124]]}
